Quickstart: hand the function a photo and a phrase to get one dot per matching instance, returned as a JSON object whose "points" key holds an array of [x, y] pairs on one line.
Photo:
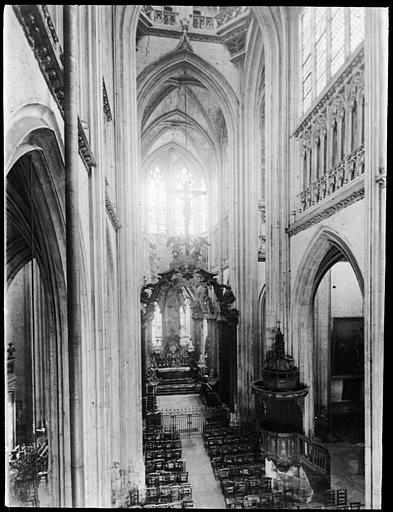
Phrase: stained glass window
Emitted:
{"points": [[357, 26], [320, 49], [306, 61], [157, 201], [329, 36], [338, 39]]}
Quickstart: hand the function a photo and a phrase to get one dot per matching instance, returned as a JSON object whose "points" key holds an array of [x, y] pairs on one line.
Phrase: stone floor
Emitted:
{"points": [[344, 469], [206, 490], [344, 473]]}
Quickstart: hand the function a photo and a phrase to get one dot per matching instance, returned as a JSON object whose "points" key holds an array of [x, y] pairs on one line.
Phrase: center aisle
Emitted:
{"points": [[206, 491]]}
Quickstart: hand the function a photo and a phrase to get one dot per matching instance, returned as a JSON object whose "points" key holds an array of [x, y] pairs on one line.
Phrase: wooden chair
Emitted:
{"points": [[230, 502], [133, 497], [186, 491], [162, 478], [223, 473], [159, 464], [267, 484], [252, 501], [278, 499], [152, 479], [176, 493], [183, 477], [170, 465], [341, 498], [266, 500], [152, 494], [355, 505], [171, 478], [330, 498], [165, 493], [188, 503], [240, 487], [228, 489]]}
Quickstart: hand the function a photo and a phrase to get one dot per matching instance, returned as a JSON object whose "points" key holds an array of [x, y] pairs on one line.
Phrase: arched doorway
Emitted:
{"points": [[339, 355]]}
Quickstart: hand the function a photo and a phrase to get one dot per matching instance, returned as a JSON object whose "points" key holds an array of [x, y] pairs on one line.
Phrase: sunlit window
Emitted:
{"points": [[329, 36], [338, 38], [357, 26], [157, 201]]}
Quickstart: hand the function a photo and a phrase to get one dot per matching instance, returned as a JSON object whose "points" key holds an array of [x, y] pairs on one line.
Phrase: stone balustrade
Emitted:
{"points": [[161, 16], [331, 136], [229, 14], [344, 172], [203, 22], [171, 19]]}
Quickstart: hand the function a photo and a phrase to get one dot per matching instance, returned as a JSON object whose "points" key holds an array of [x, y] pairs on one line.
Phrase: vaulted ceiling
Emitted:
{"points": [[182, 122]]}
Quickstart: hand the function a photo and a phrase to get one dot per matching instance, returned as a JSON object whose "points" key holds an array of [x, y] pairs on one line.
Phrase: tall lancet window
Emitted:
{"points": [[156, 201], [330, 35], [156, 328]]}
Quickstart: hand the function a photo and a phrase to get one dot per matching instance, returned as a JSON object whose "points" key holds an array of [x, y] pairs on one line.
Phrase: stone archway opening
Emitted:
{"points": [[34, 323], [338, 334]]}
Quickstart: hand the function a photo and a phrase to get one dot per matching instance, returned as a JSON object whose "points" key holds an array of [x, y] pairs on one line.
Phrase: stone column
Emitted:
{"points": [[376, 62], [128, 166], [276, 33], [321, 348]]}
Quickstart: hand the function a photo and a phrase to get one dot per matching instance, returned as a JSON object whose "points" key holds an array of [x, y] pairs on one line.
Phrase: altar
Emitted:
{"points": [[181, 372], [177, 381]]}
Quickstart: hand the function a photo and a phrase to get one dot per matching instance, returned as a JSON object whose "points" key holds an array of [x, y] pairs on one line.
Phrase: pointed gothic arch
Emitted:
{"points": [[325, 249], [35, 224]]}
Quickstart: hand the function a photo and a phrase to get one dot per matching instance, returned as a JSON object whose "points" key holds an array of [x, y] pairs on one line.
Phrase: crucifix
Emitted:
{"points": [[187, 194]]}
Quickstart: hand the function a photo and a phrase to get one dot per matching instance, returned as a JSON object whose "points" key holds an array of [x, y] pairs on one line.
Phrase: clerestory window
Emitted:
{"points": [[329, 36]]}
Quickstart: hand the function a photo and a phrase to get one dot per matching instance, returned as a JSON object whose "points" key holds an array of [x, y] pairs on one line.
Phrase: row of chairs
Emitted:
{"points": [[232, 445], [168, 493], [163, 454], [269, 501], [335, 497], [235, 461], [218, 438], [216, 428], [355, 505], [168, 444], [186, 503], [160, 464], [216, 451], [242, 486], [166, 477], [158, 433], [246, 471]]}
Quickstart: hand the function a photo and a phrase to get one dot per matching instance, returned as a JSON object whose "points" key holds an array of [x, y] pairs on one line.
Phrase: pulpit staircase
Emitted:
{"points": [[299, 451], [315, 460]]}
